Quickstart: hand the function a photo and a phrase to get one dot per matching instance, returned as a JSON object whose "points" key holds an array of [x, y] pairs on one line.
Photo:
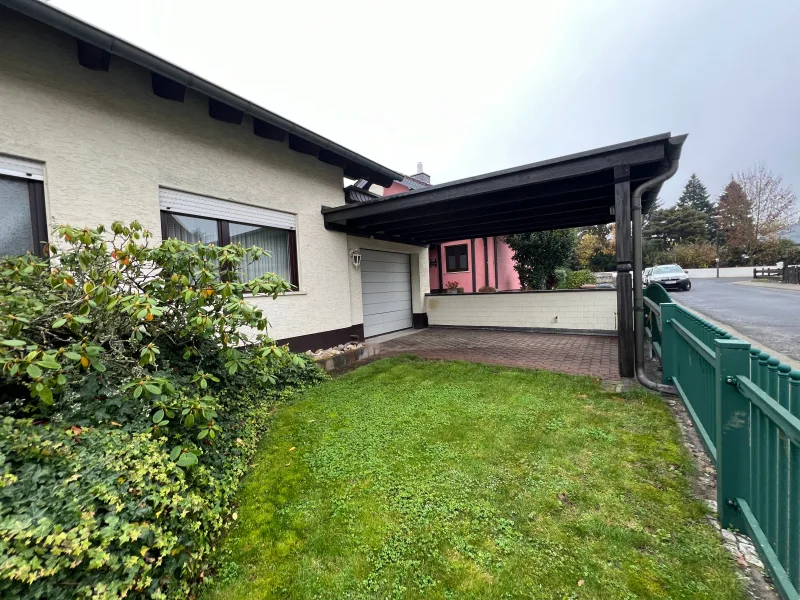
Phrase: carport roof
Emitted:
{"points": [[570, 191]]}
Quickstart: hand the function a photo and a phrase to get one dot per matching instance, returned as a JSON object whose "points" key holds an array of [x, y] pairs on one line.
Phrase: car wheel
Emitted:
{"points": [[688, 286]]}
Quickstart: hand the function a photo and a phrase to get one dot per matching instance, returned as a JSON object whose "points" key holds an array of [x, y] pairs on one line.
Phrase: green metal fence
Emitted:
{"points": [[746, 408], [654, 296]]}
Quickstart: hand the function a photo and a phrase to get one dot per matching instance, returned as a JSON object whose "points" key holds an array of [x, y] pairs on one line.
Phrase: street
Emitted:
{"points": [[768, 315]]}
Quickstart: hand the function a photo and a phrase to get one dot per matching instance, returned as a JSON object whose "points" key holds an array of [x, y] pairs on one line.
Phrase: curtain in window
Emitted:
{"points": [[16, 233], [275, 241], [192, 229]]}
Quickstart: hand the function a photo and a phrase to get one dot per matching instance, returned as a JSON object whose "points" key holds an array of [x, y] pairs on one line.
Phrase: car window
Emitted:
{"points": [[668, 269]]}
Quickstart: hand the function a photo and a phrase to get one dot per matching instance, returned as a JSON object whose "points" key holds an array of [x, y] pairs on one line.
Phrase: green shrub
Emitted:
{"points": [[135, 381], [561, 278], [571, 280]]}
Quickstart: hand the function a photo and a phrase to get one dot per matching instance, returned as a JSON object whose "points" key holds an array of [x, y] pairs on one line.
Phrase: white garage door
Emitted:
{"points": [[385, 291]]}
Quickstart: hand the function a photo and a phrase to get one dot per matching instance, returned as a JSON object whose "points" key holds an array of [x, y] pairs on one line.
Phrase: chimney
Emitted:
{"points": [[421, 175]]}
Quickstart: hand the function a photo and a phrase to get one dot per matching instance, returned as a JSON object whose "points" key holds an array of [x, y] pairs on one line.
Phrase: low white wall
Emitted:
{"points": [[725, 272], [611, 276], [594, 310]]}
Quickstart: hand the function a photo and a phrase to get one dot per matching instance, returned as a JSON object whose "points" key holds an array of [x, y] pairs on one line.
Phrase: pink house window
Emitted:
{"points": [[456, 258]]}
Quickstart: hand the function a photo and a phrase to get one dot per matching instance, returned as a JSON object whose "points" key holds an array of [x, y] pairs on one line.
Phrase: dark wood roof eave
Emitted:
{"points": [[570, 191]]}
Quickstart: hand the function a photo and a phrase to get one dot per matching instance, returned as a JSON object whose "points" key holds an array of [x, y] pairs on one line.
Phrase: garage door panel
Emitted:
{"points": [[383, 298], [385, 268], [385, 292], [384, 257], [382, 277], [397, 316], [385, 307], [368, 289]]}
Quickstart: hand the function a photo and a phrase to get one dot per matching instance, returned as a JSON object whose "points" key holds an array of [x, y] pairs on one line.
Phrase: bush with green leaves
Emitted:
{"points": [[572, 280], [577, 279], [537, 255], [135, 379]]}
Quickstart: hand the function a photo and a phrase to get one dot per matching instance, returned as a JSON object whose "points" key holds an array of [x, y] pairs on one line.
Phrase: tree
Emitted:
{"points": [[596, 249], [734, 219], [537, 255], [696, 196], [773, 206], [655, 207], [677, 225], [600, 231]]}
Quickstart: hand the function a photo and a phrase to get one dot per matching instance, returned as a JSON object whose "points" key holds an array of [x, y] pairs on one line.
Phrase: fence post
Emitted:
{"points": [[733, 430], [669, 341]]}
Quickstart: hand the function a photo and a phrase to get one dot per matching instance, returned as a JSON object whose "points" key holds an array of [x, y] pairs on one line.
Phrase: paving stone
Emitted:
{"points": [[594, 355]]}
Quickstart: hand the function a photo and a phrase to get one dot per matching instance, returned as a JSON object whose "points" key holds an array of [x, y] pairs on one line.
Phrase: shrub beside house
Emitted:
{"points": [[132, 399]]}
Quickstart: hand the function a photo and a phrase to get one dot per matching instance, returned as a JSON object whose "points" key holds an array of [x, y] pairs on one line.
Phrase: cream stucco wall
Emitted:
{"points": [[594, 310], [108, 143]]}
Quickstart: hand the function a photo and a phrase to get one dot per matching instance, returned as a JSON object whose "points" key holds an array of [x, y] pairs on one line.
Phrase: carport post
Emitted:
{"points": [[622, 213]]}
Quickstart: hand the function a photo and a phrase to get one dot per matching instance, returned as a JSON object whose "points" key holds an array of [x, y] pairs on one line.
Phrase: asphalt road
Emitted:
{"points": [[767, 315]]}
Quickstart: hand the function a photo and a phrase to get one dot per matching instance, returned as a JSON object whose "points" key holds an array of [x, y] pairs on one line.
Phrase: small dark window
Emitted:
{"points": [[24, 225], [456, 258]]}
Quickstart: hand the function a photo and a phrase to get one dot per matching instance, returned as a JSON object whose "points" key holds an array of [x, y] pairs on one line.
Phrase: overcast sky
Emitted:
{"points": [[471, 88]]}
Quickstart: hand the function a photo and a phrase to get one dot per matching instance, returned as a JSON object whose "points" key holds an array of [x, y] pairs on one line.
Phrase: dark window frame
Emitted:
{"points": [[38, 212], [224, 237], [457, 249]]}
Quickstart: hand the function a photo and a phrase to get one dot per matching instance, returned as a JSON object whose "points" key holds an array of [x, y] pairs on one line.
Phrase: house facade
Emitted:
{"points": [[93, 130], [470, 264]]}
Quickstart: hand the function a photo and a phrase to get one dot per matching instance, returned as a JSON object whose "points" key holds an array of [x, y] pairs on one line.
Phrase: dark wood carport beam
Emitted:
{"points": [[542, 226], [502, 212], [559, 193], [622, 210], [377, 236], [510, 219], [546, 194], [504, 180]]}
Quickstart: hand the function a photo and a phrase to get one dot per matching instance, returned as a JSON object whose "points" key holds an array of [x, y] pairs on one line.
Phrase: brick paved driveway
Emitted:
{"points": [[576, 354]]}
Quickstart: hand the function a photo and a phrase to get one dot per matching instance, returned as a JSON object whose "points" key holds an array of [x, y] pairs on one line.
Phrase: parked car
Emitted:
{"points": [[646, 276], [670, 277]]}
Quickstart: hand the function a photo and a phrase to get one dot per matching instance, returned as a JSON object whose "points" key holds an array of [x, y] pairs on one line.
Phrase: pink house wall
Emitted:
{"points": [[506, 275]]}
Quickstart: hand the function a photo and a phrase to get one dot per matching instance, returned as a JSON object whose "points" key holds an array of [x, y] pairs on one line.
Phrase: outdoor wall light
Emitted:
{"points": [[355, 255]]}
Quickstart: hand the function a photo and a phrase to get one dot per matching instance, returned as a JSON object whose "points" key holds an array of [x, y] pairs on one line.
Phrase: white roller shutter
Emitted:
{"points": [[214, 208], [385, 292], [19, 167]]}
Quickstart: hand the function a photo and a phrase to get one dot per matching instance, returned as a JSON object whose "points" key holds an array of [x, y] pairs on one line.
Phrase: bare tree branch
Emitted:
{"points": [[773, 206]]}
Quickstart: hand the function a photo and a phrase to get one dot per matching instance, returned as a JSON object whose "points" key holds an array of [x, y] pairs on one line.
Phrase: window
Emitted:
{"points": [[456, 258], [23, 227], [280, 243], [669, 270], [193, 218]]}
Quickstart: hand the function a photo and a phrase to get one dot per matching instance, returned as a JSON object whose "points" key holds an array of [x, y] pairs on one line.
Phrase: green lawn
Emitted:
{"points": [[414, 479]]}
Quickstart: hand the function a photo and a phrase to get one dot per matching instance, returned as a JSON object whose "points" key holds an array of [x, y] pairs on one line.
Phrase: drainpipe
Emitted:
{"points": [[638, 292]]}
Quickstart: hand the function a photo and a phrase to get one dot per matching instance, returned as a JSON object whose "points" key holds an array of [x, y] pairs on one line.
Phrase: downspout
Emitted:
{"points": [[638, 292]]}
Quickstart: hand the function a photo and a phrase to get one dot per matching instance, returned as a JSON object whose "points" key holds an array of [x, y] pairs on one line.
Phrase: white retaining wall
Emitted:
{"points": [[611, 276], [725, 272], [594, 310]]}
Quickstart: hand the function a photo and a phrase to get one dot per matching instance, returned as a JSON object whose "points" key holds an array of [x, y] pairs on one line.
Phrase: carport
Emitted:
{"points": [[588, 188]]}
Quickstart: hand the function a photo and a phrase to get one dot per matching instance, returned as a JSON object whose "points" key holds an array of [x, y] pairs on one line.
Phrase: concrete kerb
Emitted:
{"points": [[786, 287]]}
